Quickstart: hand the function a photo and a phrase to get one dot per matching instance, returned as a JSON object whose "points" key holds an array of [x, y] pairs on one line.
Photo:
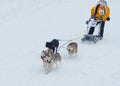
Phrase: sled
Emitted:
{"points": [[91, 38]]}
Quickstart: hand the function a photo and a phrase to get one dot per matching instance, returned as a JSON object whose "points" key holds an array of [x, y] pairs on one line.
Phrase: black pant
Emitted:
{"points": [[102, 24]]}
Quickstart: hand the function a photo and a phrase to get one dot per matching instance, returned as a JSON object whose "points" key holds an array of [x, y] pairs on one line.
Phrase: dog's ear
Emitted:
{"points": [[42, 53]]}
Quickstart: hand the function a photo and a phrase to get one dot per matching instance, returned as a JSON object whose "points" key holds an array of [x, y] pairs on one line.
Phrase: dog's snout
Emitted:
{"points": [[69, 50]]}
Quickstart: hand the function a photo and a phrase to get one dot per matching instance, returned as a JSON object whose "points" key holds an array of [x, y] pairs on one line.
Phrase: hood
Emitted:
{"points": [[102, 2]]}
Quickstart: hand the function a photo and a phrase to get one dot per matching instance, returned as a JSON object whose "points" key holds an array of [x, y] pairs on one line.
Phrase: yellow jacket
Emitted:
{"points": [[98, 15]]}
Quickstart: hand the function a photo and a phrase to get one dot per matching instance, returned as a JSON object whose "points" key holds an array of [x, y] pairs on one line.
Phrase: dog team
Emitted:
{"points": [[51, 57]]}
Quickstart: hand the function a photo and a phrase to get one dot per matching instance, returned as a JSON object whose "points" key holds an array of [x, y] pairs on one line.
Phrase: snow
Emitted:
{"points": [[25, 26]]}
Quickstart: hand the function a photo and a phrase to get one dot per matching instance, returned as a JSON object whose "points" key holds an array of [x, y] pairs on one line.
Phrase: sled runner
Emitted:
{"points": [[90, 38]]}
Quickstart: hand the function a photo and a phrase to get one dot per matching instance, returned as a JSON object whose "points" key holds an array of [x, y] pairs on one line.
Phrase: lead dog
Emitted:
{"points": [[72, 48], [49, 59]]}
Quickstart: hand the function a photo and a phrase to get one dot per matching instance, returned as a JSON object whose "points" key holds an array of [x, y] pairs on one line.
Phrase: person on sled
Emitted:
{"points": [[53, 45], [100, 13]]}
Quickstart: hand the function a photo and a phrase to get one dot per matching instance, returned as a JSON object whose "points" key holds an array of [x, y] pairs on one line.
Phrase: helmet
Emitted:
{"points": [[102, 2]]}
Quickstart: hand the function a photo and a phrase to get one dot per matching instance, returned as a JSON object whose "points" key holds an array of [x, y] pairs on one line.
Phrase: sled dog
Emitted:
{"points": [[49, 59], [72, 48]]}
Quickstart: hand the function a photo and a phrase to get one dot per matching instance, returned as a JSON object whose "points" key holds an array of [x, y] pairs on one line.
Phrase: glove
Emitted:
{"points": [[87, 21], [100, 18], [108, 19], [92, 17]]}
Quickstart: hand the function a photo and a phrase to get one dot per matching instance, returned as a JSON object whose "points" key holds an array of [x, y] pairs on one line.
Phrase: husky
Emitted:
{"points": [[72, 48], [49, 59]]}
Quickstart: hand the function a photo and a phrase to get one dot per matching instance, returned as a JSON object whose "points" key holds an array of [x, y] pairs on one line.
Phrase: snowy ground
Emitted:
{"points": [[25, 26]]}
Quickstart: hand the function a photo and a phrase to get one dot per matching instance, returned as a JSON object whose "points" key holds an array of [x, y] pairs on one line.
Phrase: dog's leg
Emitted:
{"points": [[50, 65], [48, 68], [44, 64]]}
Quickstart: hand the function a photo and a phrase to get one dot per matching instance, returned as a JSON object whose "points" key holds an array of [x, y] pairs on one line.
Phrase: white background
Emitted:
{"points": [[25, 26]]}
